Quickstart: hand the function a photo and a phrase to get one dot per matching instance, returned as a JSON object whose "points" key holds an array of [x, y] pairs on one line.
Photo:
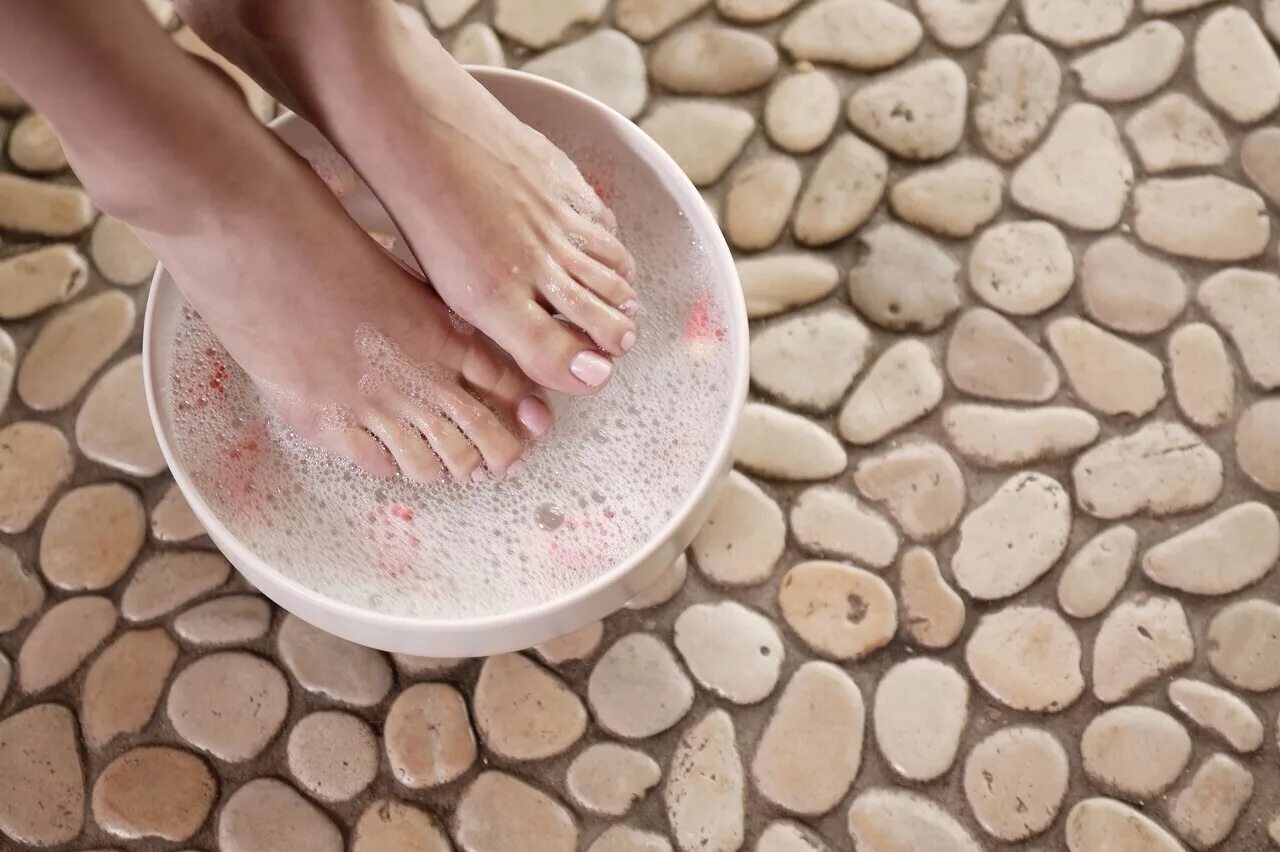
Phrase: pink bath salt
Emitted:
{"points": [[701, 330]]}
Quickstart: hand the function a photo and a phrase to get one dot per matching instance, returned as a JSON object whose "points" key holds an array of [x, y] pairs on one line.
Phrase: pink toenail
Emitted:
{"points": [[516, 469], [630, 307], [628, 340], [534, 415], [479, 475], [591, 368]]}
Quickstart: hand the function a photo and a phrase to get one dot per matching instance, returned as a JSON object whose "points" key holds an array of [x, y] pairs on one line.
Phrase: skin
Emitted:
{"points": [[512, 238]]}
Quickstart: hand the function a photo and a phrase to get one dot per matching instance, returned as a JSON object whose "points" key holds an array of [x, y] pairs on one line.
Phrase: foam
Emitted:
{"points": [[613, 470]]}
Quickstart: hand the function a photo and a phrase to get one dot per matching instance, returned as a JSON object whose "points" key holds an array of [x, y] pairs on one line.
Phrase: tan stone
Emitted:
{"points": [[801, 111], [1015, 781], [1175, 132], [227, 620], [841, 612], [1027, 658], [1258, 443], [1134, 751], [960, 24], [1236, 67], [1244, 644], [1072, 23], [865, 35], [335, 667], [123, 686], [606, 65], [1246, 305], [703, 137], [777, 444], [1206, 809], [713, 61], [1018, 87], [333, 755], [525, 712], [1141, 639], [1107, 372], [35, 459], [64, 637], [1160, 469], [934, 614], [920, 485], [39, 207], [731, 650], [71, 346], [994, 436], [172, 518], [1021, 268], [743, 538], [154, 792], [34, 147], [428, 736], [1219, 712], [809, 360], [610, 779], [114, 426], [1203, 379], [904, 281], [477, 44], [902, 386], [92, 536], [1233, 549], [229, 705], [988, 356], [831, 522], [41, 778], [41, 278], [921, 710], [893, 819], [758, 202], [119, 254], [498, 812], [953, 199], [21, 593], [170, 579], [1205, 217], [1101, 823], [1132, 67], [843, 191], [266, 815], [1097, 572], [637, 689], [777, 282], [704, 794], [540, 23], [648, 19], [391, 825], [917, 113], [578, 645]]}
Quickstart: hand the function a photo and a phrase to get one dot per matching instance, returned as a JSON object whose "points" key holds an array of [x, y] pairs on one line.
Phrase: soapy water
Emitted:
{"points": [[614, 469]]}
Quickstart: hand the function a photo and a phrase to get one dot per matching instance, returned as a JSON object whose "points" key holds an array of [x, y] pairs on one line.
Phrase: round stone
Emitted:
{"points": [[892, 819], [266, 815], [118, 254], [839, 611], [323, 663], [92, 536], [743, 537], [989, 357], [1129, 290], [1132, 67], [606, 65], [1141, 639], [1236, 67], [780, 281], [1245, 304], [172, 518], [933, 612], [21, 594], [637, 689], [960, 24], [41, 778], [704, 794], [1135, 752], [919, 483], [62, 639], [902, 386], [831, 522], [676, 125], [754, 11], [1097, 572], [1204, 217], [759, 200], [1203, 378], [789, 837], [124, 685], [498, 812], [1027, 658], [333, 755], [801, 111], [921, 709], [428, 736], [844, 189], [540, 23], [713, 61], [809, 361], [387, 824], [35, 280], [578, 645], [865, 35], [1018, 87], [917, 113], [624, 838], [229, 620], [994, 436], [731, 650], [1260, 158], [1108, 373], [1107, 824], [811, 749], [1160, 469], [34, 147], [1219, 712], [1205, 811], [229, 705], [71, 346], [154, 792], [953, 199], [1015, 781], [1258, 443], [904, 281], [35, 459], [1021, 268], [1233, 549], [411, 665], [647, 19], [43, 207], [1244, 644], [610, 779], [1071, 23], [171, 579], [778, 444], [1175, 132], [525, 712], [664, 588], [114, 426], [477, 44]]}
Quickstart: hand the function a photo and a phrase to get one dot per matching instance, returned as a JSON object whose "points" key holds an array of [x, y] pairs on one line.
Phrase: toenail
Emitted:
{"points": [[516, 469], [479, 475], [591, 368], [630, 307], [628, 340], [534, 415]]}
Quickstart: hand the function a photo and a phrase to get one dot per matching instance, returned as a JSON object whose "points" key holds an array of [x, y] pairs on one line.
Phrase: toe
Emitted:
{"points": [[544, 348], [413, 455], [605, 247], [458, 453], [484, 431], [358, 446], [493, 377], [600, 279], [611, 329]]}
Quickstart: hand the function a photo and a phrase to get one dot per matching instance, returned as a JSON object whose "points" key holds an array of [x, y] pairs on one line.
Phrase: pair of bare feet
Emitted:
{"points": [[511, 236]]}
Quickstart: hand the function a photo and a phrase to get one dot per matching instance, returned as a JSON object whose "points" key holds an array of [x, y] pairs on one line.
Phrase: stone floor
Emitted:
{"points": [[998, 565]]}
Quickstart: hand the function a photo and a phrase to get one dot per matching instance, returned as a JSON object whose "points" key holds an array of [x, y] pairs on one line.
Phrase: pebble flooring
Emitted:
{"points": [[997, 566]]}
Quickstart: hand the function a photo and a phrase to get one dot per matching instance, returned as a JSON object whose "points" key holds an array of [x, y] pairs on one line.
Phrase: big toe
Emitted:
{"points": [[552, 353]]}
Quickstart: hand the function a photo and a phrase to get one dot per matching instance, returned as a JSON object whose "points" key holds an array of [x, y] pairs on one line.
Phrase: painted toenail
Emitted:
{"points": [[630, 307], [534, 415], [516, 469], [591, 368], [479, 475], [628, 340]]}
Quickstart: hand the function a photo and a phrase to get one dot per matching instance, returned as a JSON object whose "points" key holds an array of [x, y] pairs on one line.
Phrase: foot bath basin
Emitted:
{"points": [[609, 499]]}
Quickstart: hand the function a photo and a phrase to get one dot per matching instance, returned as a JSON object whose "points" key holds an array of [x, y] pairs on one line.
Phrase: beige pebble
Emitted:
{"points": [[260, 103], [91, 537], [778, 444], [731, 650], [10, 100], [713, 61], [1244, 644], [994, 436], [917, 113], [1142, 638], [637, 689], [1018, 86], [777, 282], [1027, 658], [904, 281], [34, 147], [124, 685], [154, 792], [1128, 290], [606, 65], [334, 756], [1172, 7], [841, 612], [1135, 752], [114, 426], [41, 778], [1106, 372], [412, 665], [228, 620], [1219, 712], [890, 819], [1015, 781], [1131, 67], [1246, 305], [477, 44], [953, 199], [541, 23], [445, 14], [788, 837], [38, 279], [801, 111], [758, 201], [865, 35], [663, 589], [525, 712], [703, 137], [391, 825], [743, 538], [648, 19], [172, 519], [119, 254], [831, 522], [428, 736], [1160, 469], [323, 663], [1050, 182], [624, 838], [1233, 549], [1097, 572], [919, 483], [960, 24], [498, 812], [1258, 443], [578, 645], [1206, 809], [64, 637], [808, 361], [71, 346], [1021, 268], [610, 779], [38, 207], [1175, 132], [1101, 823], [170, 579], [1260, 157], [266, 815], [988, 356], [1236, 67], [1072, 23], [21, 593], [704, 793], [228, 704], [754, 11], [1205, 217], [902, 386], [1014, 538], [843, 191], [934, 614], [921, 710], [811, 748], [35, 459]]}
